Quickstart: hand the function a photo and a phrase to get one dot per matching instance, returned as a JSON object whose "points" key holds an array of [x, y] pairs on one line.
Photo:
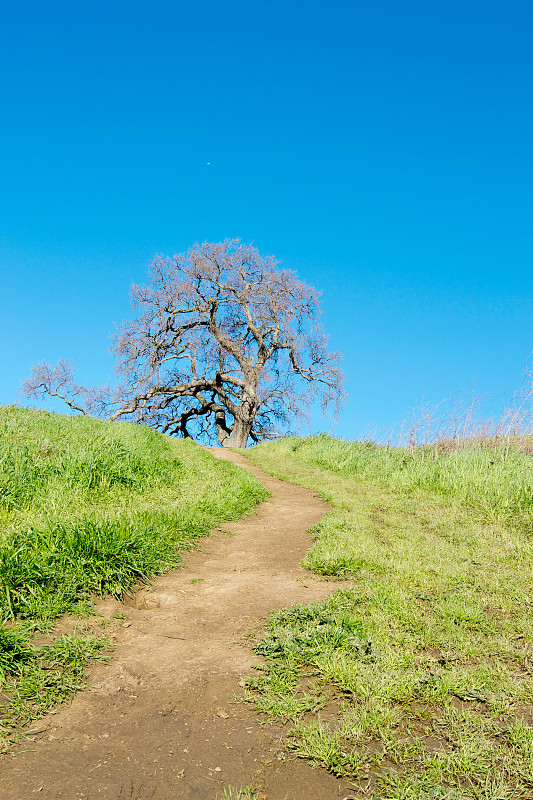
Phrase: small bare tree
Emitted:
{"points": [[57, 381], [224, 341]]}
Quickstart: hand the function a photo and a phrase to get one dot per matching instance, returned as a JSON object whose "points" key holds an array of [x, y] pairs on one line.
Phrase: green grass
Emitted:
{"points": [[245, 793], [89, 508], [415, 679], [492, 478], [35, 679]]}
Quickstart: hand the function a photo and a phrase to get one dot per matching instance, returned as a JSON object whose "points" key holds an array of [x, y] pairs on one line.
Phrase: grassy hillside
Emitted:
{"points": [[494, 478], [89, 508], [415, 679]]}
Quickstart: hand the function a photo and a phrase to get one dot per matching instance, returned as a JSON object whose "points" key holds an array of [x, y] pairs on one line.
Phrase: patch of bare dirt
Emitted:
{"points": [[162, 720]]}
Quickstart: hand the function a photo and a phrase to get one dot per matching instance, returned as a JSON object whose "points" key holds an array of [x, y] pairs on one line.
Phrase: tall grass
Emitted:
{"points": [[496, 482], [461, 418], [89, 508], [49, 462]]}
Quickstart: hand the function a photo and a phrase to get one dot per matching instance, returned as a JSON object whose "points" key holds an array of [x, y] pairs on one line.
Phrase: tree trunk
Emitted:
{"points": [[239, 434], [243, 421]]}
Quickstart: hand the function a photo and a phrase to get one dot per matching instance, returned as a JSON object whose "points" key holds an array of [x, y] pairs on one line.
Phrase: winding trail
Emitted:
{"points": [[160, 721]]}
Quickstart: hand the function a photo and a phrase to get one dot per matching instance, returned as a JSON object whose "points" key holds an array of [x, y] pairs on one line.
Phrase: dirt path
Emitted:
{"points": [[159, 721]]}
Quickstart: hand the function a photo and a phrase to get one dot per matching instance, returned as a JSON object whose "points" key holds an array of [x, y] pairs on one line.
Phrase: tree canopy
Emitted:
{"points": [[224, 342]]}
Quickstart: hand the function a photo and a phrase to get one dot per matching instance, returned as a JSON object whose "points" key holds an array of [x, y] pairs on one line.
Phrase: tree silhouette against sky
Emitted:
{"points": [[224, 344]]}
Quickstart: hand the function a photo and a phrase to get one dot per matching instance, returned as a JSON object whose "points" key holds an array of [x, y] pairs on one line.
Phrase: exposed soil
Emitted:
{"points": [[163, 720]]}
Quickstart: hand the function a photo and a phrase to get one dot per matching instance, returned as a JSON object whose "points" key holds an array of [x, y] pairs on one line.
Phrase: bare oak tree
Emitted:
{"points": [[223, 340]]}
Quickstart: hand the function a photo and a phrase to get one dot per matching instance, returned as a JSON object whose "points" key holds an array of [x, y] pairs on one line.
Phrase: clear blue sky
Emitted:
{"points": [[383, 150]]}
